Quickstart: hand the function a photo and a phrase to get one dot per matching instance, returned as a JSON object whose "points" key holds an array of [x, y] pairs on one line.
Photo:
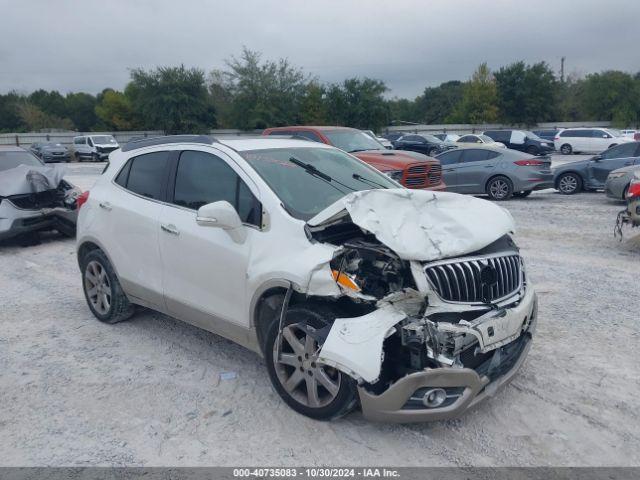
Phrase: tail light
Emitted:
{"points": [[556, 138], [528, 163], [634, 189], [82, 199]]}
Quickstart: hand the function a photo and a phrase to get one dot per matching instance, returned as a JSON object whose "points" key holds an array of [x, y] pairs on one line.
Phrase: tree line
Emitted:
{"points": [[252, 93]]}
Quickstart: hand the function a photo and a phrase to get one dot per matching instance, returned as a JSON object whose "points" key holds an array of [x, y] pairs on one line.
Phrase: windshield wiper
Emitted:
{"points": [[366, 180], [361, 150], [311, 170]]}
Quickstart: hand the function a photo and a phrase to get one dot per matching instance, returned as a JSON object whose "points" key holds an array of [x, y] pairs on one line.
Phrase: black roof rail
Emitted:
{"points": [[167, 139]]}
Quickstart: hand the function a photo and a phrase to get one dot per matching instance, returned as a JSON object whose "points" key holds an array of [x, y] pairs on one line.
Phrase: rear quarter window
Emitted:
{"points": [[145, 175]]}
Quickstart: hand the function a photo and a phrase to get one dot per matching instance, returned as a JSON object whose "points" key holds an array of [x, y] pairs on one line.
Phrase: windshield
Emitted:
{"points": [[614, 132], [103, 139], [10, 160], [533, 136], [305, 194], [352, 141], [486, 139], [431, 138], [52, 145]]}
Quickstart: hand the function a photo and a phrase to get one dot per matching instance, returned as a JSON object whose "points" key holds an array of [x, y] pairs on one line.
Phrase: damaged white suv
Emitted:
{"points": [[412, 304]]}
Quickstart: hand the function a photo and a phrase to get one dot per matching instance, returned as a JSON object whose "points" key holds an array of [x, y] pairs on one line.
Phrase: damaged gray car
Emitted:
{"points": [[413, 305], [33, 196]]}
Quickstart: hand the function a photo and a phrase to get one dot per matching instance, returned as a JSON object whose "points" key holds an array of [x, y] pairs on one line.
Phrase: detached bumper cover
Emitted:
{"points": [[15, 221], [465, 387]]}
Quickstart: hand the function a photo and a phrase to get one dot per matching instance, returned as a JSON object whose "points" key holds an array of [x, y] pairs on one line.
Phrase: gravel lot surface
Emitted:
{"points": [[149, 391]]}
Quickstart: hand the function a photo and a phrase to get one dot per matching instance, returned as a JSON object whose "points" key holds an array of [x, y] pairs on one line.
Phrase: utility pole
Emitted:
{"points": [[562, 70]]}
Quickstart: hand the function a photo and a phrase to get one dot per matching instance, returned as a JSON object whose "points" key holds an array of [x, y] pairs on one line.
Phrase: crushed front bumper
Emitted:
{"points": [[464, 387]]}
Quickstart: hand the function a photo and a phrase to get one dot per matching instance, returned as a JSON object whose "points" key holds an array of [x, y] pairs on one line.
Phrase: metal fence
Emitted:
{"points": [[66, 138]]}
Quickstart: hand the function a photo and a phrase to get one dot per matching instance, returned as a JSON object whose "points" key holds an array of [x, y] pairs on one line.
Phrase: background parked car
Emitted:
{"points": [[547, 134], [628, 133], [383, 141], [447, 137], [497, 172], [617, 184], [591, 174], [50, 152], [522, 140], [34, 197], [425, 144], [393, 137], [480, 140], [588, 140], [94, 147], [411, 169]]}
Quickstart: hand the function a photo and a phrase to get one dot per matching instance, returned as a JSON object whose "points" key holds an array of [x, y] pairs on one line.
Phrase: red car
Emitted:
{"points": [[413, 170]]}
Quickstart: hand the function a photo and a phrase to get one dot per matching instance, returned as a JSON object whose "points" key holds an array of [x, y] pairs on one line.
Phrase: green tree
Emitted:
{"points": [[313, 110], [479, 99], [52, 103], [612, 95], [172, 99], [33, 119], [115, 111], [263, 94], [436, 104], [403, 110], [80, 109], [358, 103], [526, 93], [9, 115]]}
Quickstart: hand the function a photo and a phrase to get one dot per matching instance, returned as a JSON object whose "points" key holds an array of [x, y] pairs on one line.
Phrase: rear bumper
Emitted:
{"points": [[465, 386], [15, 221]]}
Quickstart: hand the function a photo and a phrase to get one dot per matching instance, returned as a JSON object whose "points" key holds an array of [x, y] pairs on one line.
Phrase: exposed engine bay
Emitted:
{"points": [[470, 311]]}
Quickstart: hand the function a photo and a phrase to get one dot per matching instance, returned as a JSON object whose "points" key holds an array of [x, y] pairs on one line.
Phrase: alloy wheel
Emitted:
{"points": [[568, 184], [499, 189], [296, 365], [98, 287]]}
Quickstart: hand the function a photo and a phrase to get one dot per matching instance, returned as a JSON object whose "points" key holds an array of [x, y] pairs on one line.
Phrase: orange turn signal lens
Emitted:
{"points": [[345, 280]]}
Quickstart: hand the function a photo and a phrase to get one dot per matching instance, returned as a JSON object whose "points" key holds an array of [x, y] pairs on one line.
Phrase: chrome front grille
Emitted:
{"points": [[435, 174], [459, 280]]}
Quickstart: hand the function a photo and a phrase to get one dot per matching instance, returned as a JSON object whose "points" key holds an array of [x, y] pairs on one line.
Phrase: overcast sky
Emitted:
{"points": [[89, 45]]}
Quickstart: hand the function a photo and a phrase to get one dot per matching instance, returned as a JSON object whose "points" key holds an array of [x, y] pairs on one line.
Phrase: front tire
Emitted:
{"points": [[569, 183], [308, 387], [102, 290], [499, 188], [566, 149], [433, 152]]}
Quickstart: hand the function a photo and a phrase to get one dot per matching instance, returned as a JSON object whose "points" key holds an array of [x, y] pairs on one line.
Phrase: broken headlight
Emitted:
{"points": [[370, 268]]}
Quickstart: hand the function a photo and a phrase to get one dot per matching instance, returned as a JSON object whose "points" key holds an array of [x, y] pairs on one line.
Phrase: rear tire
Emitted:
{"points": [[102, 290], [566, 149], [569, 183], [613, 145], [499, 188], [314, 390]]}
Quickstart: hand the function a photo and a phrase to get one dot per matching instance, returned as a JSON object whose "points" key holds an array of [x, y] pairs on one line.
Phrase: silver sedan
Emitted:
{"points": [[618, 181]]}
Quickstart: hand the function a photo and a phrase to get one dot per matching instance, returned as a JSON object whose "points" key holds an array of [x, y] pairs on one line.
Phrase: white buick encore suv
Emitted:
{"points": [[412, 304]]}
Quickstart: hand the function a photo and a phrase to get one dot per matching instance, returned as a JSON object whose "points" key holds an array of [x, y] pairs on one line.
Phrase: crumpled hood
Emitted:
{"points": [[30, 179], [421, 225]]}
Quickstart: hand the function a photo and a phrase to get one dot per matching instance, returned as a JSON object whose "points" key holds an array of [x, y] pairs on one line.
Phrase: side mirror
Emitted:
{"points": [[604, 135], [222, 215], [597, 158]]}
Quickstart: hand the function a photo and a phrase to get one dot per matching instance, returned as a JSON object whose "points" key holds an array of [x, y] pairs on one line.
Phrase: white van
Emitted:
{"points": [[588, 140], [94, 148]]}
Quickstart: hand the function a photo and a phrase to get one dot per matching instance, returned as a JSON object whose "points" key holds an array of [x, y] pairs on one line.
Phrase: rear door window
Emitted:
{"points": [[478, 155], [309, 135], [145, 175]]}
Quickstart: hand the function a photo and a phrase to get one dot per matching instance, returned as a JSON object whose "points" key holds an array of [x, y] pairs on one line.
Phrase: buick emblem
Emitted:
{"points": [[488, 278]]}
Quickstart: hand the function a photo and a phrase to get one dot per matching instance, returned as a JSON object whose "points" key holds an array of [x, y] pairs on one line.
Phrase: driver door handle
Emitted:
{"points": [[170, 228]]}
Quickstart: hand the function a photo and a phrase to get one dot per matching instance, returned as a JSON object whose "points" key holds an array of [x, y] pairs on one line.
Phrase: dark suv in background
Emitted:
{"points": [[426, 144], [523, 141]]}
